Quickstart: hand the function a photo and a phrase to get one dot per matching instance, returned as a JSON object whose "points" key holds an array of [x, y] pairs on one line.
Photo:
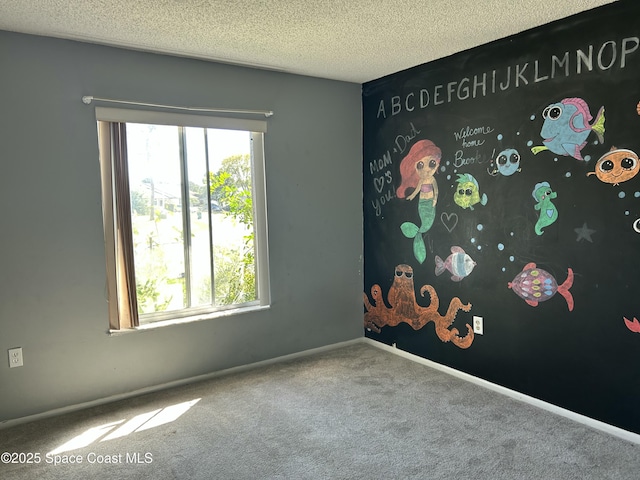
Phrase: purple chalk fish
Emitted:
{"points": [[535, 285], [458, 263], [566, 127]]}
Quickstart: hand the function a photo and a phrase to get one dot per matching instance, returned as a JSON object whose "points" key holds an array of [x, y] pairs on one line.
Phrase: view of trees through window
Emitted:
{"points": [[192, 217]]}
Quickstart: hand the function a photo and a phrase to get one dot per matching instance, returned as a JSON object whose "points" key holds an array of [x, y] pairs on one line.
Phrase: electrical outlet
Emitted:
{"points": [[15, 357], [478, 326]]}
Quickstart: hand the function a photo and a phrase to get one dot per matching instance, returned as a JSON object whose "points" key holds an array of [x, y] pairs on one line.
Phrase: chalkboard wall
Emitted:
{"points": [[501, 183]]}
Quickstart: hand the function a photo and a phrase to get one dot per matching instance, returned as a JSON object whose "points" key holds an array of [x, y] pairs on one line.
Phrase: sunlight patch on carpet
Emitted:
{"points": [[144, 421]]}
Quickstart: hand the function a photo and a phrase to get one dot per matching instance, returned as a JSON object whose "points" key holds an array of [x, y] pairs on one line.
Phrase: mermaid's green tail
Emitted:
{"points": [[427, 213]]}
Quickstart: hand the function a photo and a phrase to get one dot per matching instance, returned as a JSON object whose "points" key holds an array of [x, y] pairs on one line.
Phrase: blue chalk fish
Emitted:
{"points": [[458, 263], [566, 127]]}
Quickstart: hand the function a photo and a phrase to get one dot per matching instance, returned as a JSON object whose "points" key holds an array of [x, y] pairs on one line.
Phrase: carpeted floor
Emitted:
{"points": [[356, 412]]}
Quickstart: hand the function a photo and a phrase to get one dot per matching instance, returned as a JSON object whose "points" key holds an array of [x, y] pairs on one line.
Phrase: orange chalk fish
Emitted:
{"points": [[616, 166]]}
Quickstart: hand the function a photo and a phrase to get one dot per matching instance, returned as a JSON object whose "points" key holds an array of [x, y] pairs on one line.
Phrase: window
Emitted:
{"points": [[184, 215]]}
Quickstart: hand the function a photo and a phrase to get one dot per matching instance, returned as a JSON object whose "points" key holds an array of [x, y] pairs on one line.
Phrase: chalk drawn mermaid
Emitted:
{"points": [[417, 171]]}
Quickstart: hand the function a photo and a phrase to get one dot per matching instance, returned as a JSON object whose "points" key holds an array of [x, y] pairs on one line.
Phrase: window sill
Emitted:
{"points": [[191, 319]]}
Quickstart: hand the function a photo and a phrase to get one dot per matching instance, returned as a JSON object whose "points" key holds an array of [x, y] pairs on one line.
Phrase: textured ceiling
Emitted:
{"points": [[351, 40]]}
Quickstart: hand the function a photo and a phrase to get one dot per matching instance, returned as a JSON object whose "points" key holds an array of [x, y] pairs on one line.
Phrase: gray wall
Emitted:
{"points": [[52, 268]]}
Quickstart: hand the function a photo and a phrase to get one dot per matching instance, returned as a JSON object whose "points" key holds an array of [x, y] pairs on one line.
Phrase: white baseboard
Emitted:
{"points": [[177, 383], [590, 422]]}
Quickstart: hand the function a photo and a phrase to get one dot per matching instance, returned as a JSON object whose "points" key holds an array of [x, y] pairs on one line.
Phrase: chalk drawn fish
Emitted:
{"points": [[566, 127], [616, 166], [458, 263], [467, 192], [536, 285], [506, 163], [634, 325]]}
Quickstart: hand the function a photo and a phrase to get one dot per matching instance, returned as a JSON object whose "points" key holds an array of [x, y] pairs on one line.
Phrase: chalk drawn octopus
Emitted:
{"points": [[405, 309]]}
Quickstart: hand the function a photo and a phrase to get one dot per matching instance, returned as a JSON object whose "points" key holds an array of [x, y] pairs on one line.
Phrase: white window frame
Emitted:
{"points": [[257, 128]]}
